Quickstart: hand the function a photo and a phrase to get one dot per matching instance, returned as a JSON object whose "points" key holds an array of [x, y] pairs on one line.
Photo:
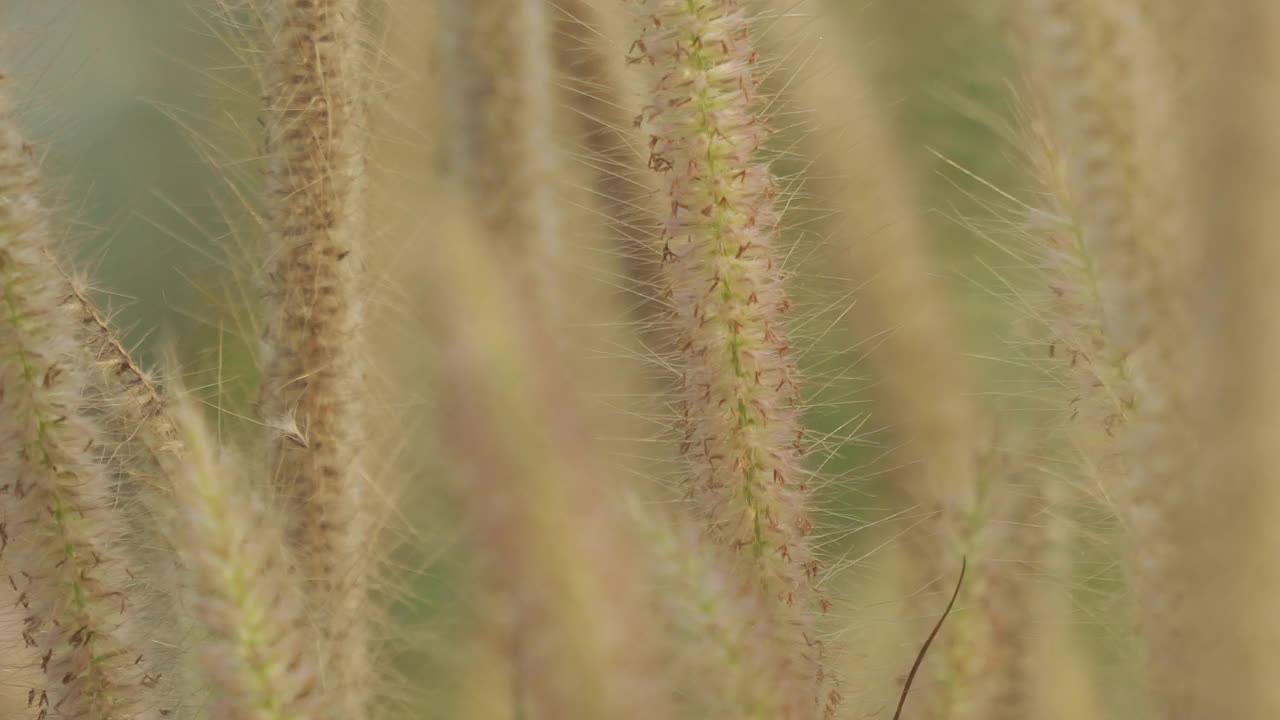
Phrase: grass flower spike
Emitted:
{"points": [[501, 100], [315, 373], [739, 400], [555, 555], [58, 526], [258, 656]]}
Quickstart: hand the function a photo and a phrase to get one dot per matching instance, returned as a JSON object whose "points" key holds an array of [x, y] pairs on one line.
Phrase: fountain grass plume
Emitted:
{"points": [[258, 652], [556, 558], [314, 377], [60, 530], [997, 679], [143, 452], [501, 98], [724, 648], [1094, 392], [723, 278], [1096, 66]]}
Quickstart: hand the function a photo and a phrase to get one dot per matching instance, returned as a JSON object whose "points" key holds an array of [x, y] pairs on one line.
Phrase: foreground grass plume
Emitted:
{"points": [[141, 405], [739, 404], [314, 377], [1088, 393], [258, 655], [1089, 106], [145, 455], [59, 529], [724, 657], [1093, 390]]}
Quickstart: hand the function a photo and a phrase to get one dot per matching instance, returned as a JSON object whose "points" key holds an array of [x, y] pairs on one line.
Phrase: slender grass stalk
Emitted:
{"points": [[740, 405], [258, 655], [557, 558], [61, 532], [314, 379], [878, 243], [501, 89]]}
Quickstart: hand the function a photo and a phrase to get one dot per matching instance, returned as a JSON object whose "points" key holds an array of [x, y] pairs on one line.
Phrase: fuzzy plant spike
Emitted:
{"points": [[144, 454], [59, 530], [556, 559], [1091, 394], [142, 406], [1095, 64], [257, 653], [502, 101], [739, 402], [723, 657], [314, 378], [999, 672], [1084, 67], [1096, 393]]}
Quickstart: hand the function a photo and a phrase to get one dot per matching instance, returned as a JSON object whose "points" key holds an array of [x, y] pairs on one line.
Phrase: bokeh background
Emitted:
{"points": [[146, 120]]}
